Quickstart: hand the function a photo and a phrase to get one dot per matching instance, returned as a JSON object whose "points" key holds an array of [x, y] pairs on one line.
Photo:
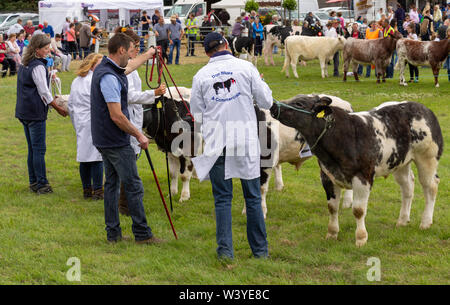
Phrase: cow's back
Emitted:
{"points": [[407, 130]]}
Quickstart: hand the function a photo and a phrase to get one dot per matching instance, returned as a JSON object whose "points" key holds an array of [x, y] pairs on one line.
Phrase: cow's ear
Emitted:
{"points": [[322, 107]]}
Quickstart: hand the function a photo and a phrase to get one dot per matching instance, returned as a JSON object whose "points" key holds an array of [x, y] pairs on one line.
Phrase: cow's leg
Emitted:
{"points": [[174, 169], [435, 69], [405, 178], [287, 60], [333, 193], [401, 66], [323, 67], [279, 185], [355, 71], [294, 60], [427, 169], [186, 178], [264, 181], [347, 60], [348, 199], [361, 192]]}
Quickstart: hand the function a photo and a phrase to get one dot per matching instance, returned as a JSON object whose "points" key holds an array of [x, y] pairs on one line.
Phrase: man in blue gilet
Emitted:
{"points": [[111, 131]]}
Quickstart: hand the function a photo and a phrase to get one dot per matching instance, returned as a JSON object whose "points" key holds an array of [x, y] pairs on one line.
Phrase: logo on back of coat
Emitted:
{"points": [[225, 89]]}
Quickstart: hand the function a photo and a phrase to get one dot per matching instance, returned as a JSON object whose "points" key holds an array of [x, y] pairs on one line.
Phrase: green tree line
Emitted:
{"points": [[18, 5]]}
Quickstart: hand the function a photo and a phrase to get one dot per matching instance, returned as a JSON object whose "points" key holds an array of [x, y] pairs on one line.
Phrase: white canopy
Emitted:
{"points": [[55, 11]]}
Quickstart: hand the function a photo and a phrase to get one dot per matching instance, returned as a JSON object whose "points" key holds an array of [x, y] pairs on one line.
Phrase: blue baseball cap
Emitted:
{"points": [[213, 40]]}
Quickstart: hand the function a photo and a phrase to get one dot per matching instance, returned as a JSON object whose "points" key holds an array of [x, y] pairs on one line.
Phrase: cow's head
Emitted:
{"points": [[300, 111], [396, 35], [160, 119], [341, 41]]}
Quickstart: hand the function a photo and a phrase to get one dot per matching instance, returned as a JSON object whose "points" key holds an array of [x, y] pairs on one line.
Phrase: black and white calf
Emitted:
{"points": [[243, 45], [361, 146], [287, 144]]}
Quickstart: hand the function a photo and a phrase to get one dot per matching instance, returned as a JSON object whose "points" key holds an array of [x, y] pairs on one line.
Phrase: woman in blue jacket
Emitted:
{"points": [[258, 36]]}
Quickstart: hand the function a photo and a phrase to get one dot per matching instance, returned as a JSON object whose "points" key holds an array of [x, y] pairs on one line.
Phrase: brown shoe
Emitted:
{"points": [[123, 203], [87, 193], [150, 241], [98, 194]]}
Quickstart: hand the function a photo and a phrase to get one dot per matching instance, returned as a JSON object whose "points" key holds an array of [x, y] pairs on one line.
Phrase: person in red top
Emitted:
{"points": [[5, 61], [29, 28], [72, 41]]}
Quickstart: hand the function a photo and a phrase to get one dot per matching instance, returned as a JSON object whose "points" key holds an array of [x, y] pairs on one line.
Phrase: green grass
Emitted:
{"points": [[38, 234]]}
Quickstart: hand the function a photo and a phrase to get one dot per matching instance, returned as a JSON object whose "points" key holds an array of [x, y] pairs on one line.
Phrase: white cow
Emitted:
{"points": [[309, 48], [275, 36]]}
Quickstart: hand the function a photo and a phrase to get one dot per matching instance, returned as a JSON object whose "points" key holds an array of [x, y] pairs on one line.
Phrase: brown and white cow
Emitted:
{"points": [[420, 53], [377, 52], [275, 35], [309, 48], [357, 147]]}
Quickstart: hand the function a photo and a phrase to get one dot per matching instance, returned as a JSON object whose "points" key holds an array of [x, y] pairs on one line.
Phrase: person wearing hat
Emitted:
{"points": [[222, 98], [175, 34], [38, 31]]}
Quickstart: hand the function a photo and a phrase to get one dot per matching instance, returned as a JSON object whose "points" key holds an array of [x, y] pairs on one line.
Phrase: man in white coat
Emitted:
{"points": [[222, 98]]}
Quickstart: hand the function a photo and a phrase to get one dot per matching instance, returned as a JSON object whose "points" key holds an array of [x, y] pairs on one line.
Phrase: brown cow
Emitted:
{"points": [[421, 53], [377, 52]]}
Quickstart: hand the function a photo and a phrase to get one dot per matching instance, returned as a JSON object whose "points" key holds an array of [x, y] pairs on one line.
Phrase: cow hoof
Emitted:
{"points": [[279, 187], [437, 85], [425, 226], [184, 197], [332, 236], [402, 223], [361, 242], [404, 84]]}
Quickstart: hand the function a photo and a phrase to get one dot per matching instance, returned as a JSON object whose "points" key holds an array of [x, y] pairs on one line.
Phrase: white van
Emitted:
{"points": [[184, 7]]}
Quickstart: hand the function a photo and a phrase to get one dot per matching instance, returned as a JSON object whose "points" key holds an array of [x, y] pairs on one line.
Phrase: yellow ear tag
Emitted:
{"points": [[321, 114], [159, 105]]}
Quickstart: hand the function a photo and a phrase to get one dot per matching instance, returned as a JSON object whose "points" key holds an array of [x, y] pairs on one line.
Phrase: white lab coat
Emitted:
{"points": [[79, 105], [136, 98], [215, 107]]}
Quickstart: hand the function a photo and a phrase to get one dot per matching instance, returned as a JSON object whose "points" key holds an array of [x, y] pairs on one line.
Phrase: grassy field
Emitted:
{"points": [[38, 234]]}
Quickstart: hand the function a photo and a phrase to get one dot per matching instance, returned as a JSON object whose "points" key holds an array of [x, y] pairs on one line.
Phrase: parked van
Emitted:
{"points": [[184, 7]]}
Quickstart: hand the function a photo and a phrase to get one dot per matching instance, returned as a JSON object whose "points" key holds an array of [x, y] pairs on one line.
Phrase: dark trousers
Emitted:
{"points": [[120, 165], [164, 43], [336, 64], [390, 68], [35, 134], [191, 47], [73, 49], [8, 63], [84, 52], [91, 174], [223, 194], [176, 44], [258, 46], [413, 72]]}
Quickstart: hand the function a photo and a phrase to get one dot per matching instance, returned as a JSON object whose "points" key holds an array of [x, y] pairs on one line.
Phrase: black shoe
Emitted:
{"points": [[46, 189], [34, 187], [87, 193]]}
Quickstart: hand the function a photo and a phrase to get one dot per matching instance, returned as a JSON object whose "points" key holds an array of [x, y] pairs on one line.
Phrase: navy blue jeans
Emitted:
{"points": [[223, 194], [91, 174], [120, 166], [35, 134], [176, 44]]}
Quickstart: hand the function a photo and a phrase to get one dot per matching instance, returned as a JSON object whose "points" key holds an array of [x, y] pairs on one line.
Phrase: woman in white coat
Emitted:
{"points": [[136, 98], [79, 104]]}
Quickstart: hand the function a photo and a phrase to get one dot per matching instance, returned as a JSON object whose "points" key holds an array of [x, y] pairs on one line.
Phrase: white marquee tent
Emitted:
{"points": [[55, 11]]}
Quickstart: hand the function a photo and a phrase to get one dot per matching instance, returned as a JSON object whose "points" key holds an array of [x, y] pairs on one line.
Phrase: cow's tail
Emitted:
{"points": [[287, 58]]}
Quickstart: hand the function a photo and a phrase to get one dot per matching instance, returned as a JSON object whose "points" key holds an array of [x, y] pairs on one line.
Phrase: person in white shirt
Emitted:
{"points": [[79, 105], [65, 58], [222, 99], [413, 70], [332, 32], [15, 28]]}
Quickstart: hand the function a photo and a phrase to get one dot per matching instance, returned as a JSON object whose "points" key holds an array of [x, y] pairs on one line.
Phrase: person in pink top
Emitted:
{"points": [[413, 14], [71, 41]]}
